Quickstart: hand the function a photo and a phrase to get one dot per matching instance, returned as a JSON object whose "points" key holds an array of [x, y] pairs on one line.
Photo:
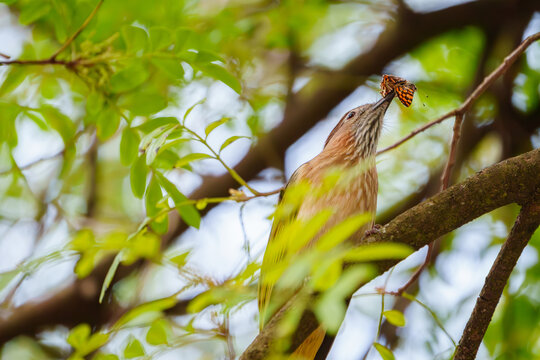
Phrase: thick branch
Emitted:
{"points": [[527, 222], [312, 104], [511, 181]]}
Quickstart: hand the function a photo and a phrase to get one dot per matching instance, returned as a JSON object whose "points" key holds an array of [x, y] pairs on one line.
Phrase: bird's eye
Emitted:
{"points": [[351, 114]]}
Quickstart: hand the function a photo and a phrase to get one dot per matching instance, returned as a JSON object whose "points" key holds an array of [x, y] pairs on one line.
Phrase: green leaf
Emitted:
{"points": [[157, 334], [180, 260], [14, 78], [205, 56], [395, 317], [59, 122], [188, 111], [133, 349], [110, 275], [152, 197], [137, 177], [155, 146], [379, 251], [34, 11], [135, 38], [102, 356], [231, 140], [95, 342], [86, 264], [6, 277], [155, 123], [143, 102], [83, 240], [107, 123], [129, 146], [342, 231], [172, 68], [192, 157], [219, 73], [94, 105], [145, 244], [152, 307], [187, 211], [50, 87], [385, 353], [129, 78], [78, 336], [160, 37], [8, 115], [215, 124], [182, 36], [154, 134]]}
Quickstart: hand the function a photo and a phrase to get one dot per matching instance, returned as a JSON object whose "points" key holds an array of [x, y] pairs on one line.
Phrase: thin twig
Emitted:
{"points": [[5, 56], [445, 179], [480, 89], [78, 32]]}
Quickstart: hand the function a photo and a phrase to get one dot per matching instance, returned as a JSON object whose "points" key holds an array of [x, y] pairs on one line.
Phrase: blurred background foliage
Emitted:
{"points": [[119, 238]]}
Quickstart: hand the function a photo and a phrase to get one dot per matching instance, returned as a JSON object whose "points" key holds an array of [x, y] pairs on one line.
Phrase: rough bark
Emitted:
{"points": [[526, 223], [512, 181], [305, 109]]}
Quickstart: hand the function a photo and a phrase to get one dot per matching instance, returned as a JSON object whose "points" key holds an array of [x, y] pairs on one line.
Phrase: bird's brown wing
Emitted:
{"points": [[274, 254]]}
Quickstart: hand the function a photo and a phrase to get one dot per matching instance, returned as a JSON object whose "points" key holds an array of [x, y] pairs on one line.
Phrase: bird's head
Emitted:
{"points": [[357, 133]]}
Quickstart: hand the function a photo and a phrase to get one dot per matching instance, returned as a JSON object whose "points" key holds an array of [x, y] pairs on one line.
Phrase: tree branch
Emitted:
{"points": [[510, 181], [303, 111], [488, 81], [526, 223]]}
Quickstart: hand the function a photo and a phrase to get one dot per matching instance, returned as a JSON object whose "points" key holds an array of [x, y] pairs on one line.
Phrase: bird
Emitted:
{"points": [[349, 152]]}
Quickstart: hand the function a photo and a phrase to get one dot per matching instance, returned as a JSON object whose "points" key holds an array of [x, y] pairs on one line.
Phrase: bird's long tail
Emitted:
{"points": [[308, 349]]}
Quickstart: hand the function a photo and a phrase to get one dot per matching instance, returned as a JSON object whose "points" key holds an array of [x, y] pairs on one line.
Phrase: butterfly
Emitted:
{"points": [[404, 89]]}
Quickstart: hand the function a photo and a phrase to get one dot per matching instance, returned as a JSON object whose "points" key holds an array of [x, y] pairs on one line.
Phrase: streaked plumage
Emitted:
{"points": [[350, 151]]}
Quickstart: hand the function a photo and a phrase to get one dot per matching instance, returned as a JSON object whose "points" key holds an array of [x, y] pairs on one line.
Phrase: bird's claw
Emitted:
{"points": [[374, 230]]}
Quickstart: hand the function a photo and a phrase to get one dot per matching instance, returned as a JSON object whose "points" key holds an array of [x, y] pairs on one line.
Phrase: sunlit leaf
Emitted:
{"points": [[129, 146], [6, 277], [215, 124], [153, 124], [137, 177], [129, 78], [14, 77], [187, 211], [379, 251], [33, 11], [190, 109], [342, 231], [143, 102], [171, 67], [59, 122], [160, 37], [155, 146], [219, 73], [385, 353], [180, 260], [83, 240], [107, 123], [102, 356], [395, 317], [110, 275], [192, 157], [231, 140], [135, 38], [78, 336], [154, 308], [157, 333], [133, 348]]}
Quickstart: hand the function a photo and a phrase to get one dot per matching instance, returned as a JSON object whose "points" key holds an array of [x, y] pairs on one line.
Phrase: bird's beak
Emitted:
{"points": [[385, 101]]}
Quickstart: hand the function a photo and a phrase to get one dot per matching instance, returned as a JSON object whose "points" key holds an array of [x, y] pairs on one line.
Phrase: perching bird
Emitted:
{"points": [[349, 152]]}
